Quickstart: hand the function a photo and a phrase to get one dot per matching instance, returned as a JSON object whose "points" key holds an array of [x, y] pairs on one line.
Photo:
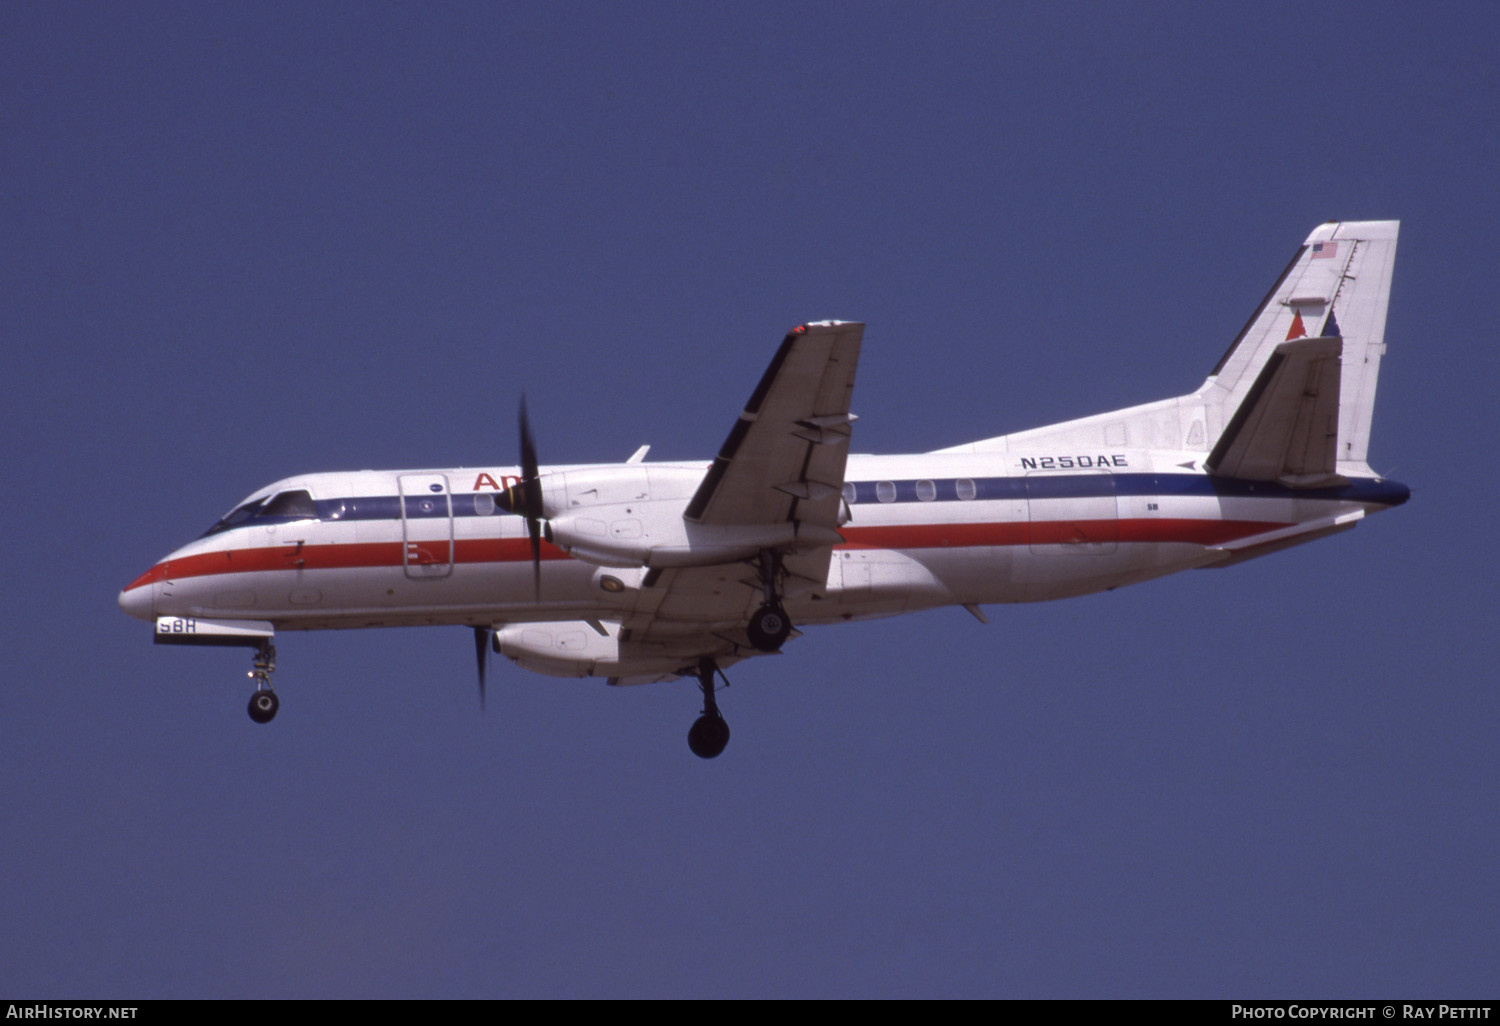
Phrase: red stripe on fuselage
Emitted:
{"points": [[905, 536], [339, 557], [156, 573]]}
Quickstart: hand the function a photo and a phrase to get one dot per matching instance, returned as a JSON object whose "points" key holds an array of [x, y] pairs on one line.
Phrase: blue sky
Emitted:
{"points": [[247, 241]]}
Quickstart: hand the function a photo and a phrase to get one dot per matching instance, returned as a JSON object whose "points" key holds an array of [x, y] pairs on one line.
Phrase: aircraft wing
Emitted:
{"points": [[1286, 429], [702, 610], [783, 461], [702, 607], [784, 458]]}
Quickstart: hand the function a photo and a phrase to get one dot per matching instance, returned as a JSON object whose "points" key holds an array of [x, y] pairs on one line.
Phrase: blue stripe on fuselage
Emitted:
{"points": [[1035, 486], [1084, 485]]}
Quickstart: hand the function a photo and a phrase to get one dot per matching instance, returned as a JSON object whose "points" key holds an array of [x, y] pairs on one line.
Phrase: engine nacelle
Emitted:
{"points": [[568, 490], [573, 648], [632, 517]]}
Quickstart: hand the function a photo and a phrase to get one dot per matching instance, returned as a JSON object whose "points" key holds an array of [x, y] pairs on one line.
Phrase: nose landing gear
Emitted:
{"points": [[263, 706], [264, 703]]}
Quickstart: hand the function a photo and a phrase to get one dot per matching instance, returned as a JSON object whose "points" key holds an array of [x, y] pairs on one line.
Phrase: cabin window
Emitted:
{"points": [[851, 493], [885, 491], [484, 504], [926, 491], [965, 488]]}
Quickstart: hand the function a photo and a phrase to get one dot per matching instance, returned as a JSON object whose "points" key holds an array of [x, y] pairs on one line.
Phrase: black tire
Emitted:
{"points": [[708, 736], [263, 706], [769, 628]]}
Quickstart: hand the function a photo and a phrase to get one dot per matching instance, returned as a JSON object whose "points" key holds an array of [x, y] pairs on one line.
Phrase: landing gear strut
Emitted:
{"points": [[710, 733], [769, 626], [264, 703]]}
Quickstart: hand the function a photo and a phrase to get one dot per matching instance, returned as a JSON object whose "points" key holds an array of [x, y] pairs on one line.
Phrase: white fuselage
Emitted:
{"points": [[639, 572], [375, 549]]}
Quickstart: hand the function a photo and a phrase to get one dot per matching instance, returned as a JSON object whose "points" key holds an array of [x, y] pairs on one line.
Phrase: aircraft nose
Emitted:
{"points": [[138, 600]]}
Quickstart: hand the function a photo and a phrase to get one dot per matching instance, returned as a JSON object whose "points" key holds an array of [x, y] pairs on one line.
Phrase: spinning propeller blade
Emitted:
{"points": [[531, 497], [482, 656], [524, 498]]}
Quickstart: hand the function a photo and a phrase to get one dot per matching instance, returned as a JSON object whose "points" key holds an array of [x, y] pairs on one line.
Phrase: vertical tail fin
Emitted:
{"points": [[1292, 398], [1337, 286]]}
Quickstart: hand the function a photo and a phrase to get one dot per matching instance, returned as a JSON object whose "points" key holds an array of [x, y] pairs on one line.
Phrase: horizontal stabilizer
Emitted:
{"points": [[1286, 428], [1241, 549]]}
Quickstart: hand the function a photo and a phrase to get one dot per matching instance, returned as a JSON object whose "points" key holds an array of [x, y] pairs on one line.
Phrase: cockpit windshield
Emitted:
{"points": [[288, 506], [279, 508]]}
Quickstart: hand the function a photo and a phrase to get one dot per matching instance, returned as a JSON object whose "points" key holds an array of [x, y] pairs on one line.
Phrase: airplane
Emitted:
{"points": [[640, 572]]}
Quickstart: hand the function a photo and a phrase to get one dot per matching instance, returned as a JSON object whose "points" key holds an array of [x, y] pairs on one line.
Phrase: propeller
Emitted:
{"points": [[531, 478], [525, 498], [482, 656]]}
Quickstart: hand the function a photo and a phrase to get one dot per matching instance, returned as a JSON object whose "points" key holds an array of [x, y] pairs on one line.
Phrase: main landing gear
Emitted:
{"points": [[710, 733], [264, 703], [769, 626]]}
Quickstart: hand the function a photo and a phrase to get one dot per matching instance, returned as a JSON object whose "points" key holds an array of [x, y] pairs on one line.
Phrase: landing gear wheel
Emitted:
{"points": [[709, 735], [769, 628], [263, 706]]}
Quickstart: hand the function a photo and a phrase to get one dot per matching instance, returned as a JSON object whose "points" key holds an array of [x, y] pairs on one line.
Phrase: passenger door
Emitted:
{"points": [[426, 525]]}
